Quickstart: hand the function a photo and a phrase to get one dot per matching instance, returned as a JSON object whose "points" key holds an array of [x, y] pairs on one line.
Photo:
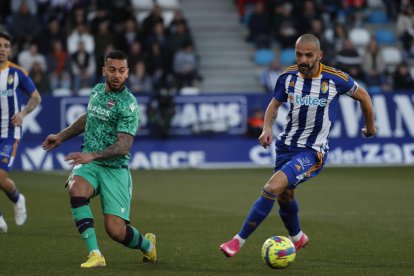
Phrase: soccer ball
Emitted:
{"points": [[278, 252]]}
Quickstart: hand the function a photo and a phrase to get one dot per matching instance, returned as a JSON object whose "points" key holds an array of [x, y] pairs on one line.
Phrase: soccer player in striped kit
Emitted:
{"points": [[15, 84], [311, 90]]}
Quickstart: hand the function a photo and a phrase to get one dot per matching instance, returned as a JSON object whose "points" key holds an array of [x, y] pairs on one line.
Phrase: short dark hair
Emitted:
{"points": [[6, 35], [116, 54]]}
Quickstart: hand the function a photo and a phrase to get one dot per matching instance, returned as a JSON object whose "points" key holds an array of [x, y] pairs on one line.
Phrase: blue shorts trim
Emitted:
{"points": [[8, 148], [299, 164]]}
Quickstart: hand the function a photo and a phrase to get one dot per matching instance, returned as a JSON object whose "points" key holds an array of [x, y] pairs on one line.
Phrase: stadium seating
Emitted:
{"points": [[263, 56], [287, 57], [377, 17], [142, 4], [392, 56], [360, 37], [169, 4], [385, 36], [375, 4]]}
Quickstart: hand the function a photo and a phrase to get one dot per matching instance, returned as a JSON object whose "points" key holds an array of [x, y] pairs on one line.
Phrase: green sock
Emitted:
{"points": [[137, 240], [84, 222]]}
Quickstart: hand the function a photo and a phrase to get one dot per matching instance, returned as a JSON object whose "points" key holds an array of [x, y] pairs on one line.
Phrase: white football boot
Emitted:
{"points": [[20, 210]]}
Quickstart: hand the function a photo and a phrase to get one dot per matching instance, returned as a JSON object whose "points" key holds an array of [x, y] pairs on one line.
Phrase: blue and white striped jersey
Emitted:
{"points": [[313, 105], [14, 81]]}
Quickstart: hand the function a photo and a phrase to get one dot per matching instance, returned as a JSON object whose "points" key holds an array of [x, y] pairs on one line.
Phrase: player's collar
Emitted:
{"points": [[6, 64]]}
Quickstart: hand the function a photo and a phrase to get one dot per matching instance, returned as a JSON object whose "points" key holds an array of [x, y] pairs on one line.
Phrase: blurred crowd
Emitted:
{"points": [[276, 24], [62, 43]]}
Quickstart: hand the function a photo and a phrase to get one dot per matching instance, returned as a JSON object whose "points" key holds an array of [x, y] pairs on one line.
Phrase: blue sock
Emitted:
{"points": [[14, 195], [289, 213], [261, 208]]}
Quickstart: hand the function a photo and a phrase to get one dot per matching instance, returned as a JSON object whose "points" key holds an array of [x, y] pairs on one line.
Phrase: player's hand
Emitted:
{"points": [[368, 132], [265, 139], [76, 158], [17, 119], [51, 142]]}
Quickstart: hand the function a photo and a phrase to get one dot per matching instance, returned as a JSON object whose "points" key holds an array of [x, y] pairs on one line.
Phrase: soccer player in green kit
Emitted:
{"points": [[101, 168]]}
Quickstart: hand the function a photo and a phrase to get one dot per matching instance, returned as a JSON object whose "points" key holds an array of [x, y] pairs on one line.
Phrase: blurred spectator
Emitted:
{"points": [[139, 81], [241, 6], [402, 78], [58, 64], [355, 11], [24, 26], [178, 19], [83, 68], [135, 54], [40, 78], [283, 25], [77, 17], [337, 35], [47, 37], [78, 35], [259, 27], [159, 36], [269, 76], [186, 66], [255, 123], [119, 10], [179, 37], [348, 60], [129, 34], [373, 64], [31, 6], [5, 11], [153, 18], [160, 112], [27, 57], [101, 15], [103, 38], [158, 66], [306, 14], [405, 27]]}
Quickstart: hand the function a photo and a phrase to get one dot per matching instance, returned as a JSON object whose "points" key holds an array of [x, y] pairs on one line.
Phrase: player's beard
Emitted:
{"points": [[115, 87], [306, 69]]}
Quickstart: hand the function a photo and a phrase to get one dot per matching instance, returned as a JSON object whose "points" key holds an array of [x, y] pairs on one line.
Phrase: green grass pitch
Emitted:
{"points": [[360, 221]]}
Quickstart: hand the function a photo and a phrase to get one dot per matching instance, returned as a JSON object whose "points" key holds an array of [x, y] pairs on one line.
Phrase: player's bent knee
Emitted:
{"points": [[277, 184], [287, 196]]}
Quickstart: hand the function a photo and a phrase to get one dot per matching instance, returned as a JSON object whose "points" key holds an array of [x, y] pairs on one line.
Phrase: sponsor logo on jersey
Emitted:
{"points": [[111, 103], [307, 100]]}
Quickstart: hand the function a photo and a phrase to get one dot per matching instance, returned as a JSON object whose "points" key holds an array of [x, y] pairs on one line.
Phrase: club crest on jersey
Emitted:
{"points": [[10, 79], [292, 84], [324, 87], [111, 103]]}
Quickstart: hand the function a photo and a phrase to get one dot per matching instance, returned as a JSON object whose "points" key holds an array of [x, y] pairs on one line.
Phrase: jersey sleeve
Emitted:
{"points": [[25, 83], [129, 118], [346, 86], [280, 92]]}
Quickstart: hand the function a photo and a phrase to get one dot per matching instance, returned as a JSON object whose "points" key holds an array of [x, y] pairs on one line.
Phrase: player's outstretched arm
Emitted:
{"points": [[76, 128], [363, 97], [266, 138]]}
